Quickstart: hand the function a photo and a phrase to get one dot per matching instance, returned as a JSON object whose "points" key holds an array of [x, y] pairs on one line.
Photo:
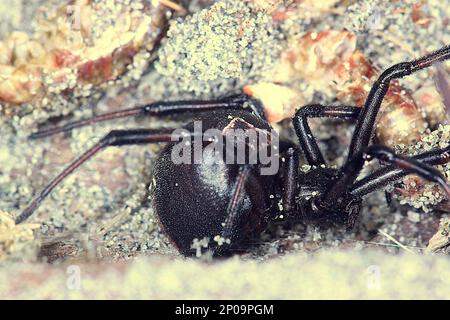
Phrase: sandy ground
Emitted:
{"points": [[328, 275], [100, 218]]}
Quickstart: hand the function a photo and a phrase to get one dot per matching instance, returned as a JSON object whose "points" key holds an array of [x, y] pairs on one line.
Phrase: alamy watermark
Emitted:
{"points": [[373, 277], [73, 281], [238, 143], [74, 17]]}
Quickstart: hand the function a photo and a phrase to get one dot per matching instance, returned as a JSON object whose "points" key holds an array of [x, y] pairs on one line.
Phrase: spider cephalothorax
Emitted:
{"points": [[311, 210], [226, 202]]}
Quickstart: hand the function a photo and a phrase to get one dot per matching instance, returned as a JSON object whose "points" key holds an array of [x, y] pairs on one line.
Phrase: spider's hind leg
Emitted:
{"points": [[392, 173], [405, 165], [114, 138]]}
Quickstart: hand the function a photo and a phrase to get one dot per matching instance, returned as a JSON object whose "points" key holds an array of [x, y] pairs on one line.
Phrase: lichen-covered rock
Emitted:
{"points": [[229, 40]]}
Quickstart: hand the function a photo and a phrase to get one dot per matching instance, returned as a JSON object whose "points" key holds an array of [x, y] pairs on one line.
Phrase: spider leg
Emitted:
{"points": [[160, 109], [307, 141], [290, 179], [366, 120], [244, 184], [410, 165], [236, 200], [114, 138], [384, 176]]}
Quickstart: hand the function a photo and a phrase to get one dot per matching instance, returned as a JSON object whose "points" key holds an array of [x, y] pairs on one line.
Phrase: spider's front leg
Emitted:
{"points": [[366, 120], [390, 174], [307, 141], [367, 117]]}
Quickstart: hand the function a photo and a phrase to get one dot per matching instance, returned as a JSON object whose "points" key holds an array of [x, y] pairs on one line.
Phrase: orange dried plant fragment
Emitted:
{"points": [[19, 82], [419, 15], [279, 101], [75, 52]]}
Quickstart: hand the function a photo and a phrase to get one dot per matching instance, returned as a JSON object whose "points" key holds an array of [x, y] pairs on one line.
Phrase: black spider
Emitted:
{"points": [[235, 201]]}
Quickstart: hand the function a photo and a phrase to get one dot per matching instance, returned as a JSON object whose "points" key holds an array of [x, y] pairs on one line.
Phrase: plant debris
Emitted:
{"points": [[75, 48], [441, 238], [414, 190], [15, 239]]}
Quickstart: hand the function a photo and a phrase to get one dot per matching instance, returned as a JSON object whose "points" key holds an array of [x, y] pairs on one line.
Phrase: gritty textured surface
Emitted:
{"points": [[103, 212], [430, 194], [231, 38], [329, 275]]}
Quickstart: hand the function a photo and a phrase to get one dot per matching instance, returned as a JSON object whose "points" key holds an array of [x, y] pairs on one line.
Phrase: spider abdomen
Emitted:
{"points": [[191, 199]]}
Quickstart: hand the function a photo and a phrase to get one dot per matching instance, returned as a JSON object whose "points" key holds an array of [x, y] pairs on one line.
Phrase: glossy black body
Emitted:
{"points": [[190, 200], [310, 210]]}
